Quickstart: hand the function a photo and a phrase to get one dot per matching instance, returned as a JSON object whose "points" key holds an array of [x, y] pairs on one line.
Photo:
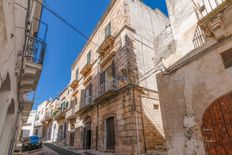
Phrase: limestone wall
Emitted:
{"points": [[148, 25], [11, 42], [187, 92], [183, 22]]}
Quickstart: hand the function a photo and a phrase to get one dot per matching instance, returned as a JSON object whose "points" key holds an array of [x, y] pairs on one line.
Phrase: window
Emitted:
{"points": [[88, 93], [89, 57], [227, 58], [66, 105], [108, 74], [108, 30], [77, 73]]}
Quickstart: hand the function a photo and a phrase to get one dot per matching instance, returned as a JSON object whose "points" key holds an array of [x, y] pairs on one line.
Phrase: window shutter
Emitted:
{"points": [[113, 69], [77, 73], [61, 107], [90, 89], [89, 57], [82, 96], [102, 78], [108, 30], [66, 106]]}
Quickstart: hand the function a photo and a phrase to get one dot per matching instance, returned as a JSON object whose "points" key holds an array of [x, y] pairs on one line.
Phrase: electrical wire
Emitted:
{"points": [[45, 6]]}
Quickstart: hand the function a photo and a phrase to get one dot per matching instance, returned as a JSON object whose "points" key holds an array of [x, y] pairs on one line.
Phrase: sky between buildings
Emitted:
{"points": [[64, 44]]}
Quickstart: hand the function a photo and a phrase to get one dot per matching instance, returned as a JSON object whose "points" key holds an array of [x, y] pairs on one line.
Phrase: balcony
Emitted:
{"points": [[25, 116], [76, 108], [106, 89], [213, 19], [85, 70], [86, 102], [70, 113], [108, 41], [59, 115], [27, 105], [33, 61], [106, 58], [74, 84], [48, 117]]}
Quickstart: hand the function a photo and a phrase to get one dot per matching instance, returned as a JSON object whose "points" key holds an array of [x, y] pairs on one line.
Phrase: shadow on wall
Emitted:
{"points": [[153, 139], [4, 96], [3, 37], [126, 63]]}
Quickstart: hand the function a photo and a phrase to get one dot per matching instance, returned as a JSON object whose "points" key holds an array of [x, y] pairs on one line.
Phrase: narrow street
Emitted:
{"points": [[50, 149], [59, 150], [43, 151]]}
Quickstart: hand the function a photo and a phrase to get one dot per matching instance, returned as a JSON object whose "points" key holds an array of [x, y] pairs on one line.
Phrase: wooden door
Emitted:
{"points": [[110, 134], [72, 137], [217, 127]]}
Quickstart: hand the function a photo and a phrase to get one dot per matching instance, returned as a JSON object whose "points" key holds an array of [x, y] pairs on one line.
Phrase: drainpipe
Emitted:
{"points": [[136, 121], [97, 127], [145, 146]]}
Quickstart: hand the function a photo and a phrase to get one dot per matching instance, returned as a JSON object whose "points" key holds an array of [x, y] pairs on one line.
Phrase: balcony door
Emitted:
{"points": [[107, 77], [88, 94]]}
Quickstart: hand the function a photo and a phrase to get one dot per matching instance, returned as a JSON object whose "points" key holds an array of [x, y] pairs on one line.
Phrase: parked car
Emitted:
{"points": [[32, 142]]}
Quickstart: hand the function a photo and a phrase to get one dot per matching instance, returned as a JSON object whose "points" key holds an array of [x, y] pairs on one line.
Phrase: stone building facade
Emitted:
{"points": [[195, 88], [60, 116], [20, 69], [40, 116], [114, 103], [28, 127]]}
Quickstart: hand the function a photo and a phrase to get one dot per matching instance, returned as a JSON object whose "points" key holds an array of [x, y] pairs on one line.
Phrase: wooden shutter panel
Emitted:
{"points": [[89, 57], [77, 74], [108, 30], [82, 97], [90, 89], [113, 69], [95, 84], [102, 78]]}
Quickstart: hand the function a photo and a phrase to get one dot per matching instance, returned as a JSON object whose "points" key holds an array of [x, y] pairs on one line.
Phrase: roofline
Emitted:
{"points": [[62, 92], [157, 10], [95, 30]]}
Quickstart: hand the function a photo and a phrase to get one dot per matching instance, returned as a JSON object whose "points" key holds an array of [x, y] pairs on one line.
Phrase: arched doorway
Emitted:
{"points": [[217, 127], [5, 89], [87, 133]]}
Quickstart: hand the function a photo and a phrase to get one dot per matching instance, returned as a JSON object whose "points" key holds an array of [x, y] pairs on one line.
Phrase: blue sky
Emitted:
{"points": [[64, 44]]}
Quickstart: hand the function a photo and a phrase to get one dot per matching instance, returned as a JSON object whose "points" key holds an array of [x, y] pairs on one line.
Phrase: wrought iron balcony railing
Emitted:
{"points": [[205, 7], [35, 50], [206, 12], [109, 86], [87, 101], [198, 37]]}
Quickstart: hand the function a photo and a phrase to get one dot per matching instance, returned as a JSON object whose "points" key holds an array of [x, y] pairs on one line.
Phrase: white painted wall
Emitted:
{"points": [[29, 125], [11, 42]]}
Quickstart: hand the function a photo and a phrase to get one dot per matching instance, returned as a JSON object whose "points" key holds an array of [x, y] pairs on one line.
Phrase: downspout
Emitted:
{"points": [[97, 127], [136, 122], [142, 114]]}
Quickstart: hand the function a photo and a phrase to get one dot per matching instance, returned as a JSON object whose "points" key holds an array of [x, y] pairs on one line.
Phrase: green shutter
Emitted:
{"points": [[66, 106], [89, 57], [108, 30], [77, 73]]}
